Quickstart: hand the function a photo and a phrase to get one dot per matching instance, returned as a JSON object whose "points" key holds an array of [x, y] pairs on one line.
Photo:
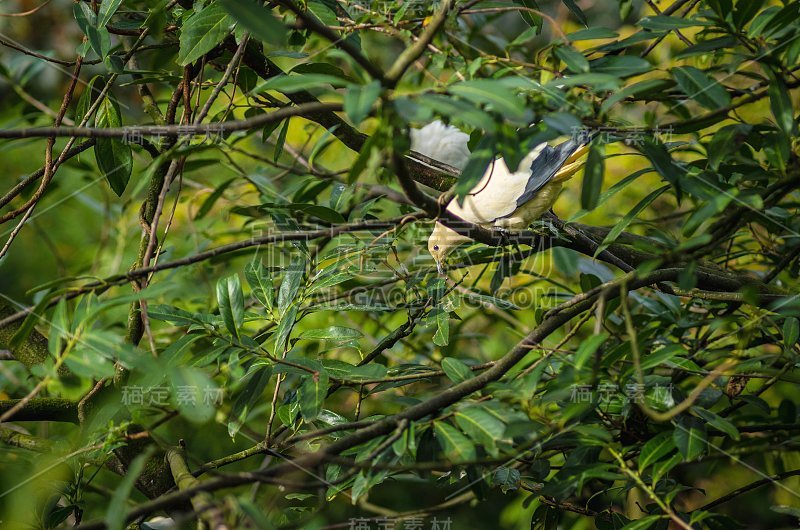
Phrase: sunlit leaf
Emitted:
{"points": [[202, 31]]}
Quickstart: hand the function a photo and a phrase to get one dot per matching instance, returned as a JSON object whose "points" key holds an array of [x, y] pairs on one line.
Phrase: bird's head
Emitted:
{"points": [[441, 243]]}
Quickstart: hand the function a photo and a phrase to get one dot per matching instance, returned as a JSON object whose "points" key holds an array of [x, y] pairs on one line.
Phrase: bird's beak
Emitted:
{"points": [[440, 267]]}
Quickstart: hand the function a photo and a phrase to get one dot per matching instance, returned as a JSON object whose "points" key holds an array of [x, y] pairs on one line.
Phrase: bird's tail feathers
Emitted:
{"points": [[572, 165], [579, 152], [567, 171]]}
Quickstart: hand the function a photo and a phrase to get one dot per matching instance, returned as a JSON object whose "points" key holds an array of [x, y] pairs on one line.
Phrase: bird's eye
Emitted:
{"points": [[435, 247]]}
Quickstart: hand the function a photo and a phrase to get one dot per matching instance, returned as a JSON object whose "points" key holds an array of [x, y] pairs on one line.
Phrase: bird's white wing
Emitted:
{"points": [[501, 191], [441, 142], [494, 196]]}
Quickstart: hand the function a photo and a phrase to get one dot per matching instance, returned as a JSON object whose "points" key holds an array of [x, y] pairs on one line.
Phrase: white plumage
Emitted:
{"points": [[441, 142], [502, 199]]}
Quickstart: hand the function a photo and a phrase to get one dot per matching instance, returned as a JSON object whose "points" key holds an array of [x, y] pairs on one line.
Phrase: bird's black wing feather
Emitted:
{"points": [[546, 165]]}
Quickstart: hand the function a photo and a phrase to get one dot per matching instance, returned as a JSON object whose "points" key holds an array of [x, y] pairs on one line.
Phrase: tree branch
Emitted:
{"points": [[413, 53], [749, 487], [42, 409], [171, 130], [202, 502]]}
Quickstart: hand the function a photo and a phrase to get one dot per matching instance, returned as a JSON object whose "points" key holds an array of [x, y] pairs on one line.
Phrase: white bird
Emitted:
{"points": [[159, 523], [441, 142], [502, 199]]}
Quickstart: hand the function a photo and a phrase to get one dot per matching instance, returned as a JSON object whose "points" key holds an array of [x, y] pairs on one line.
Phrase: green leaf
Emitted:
{"points": [[114, 157], [333, 333], [792, 511], [257, 19], [642, 524], [98, 36], [329, 281], [588, 348], [298, 365], [407, 443], [325, 141], [642, 87], [709, 209], [87, 98], [573, 7], [367, 307], [592, 34], [480, 298], [212, 199], [726, 141], [780, 103], [772, 20], [178, 316], [456, 446], [661, 356], [311, 394], [259, 376], [717, 421], [442, 335], [701, 88], [620, 65], [85, 17], [281, 140], [759, 22], [492, 93], [708, 46], [574, 59], [260, 281], [173, 354], [350, 372], [625, 7], [59, 329], [620, 227], [481, 426], [507, 478], [288, 84], [661, 468], [599, 82], [722, 8], [666, 23], [593, 176], [613, 190], [106, 11], [320, 212], [255, 513], [690, 437], [58, 514], [791, 332], [368, 156], [662, 162], [358, 100], [231, 303], [192, 393], [533, 19], [86, 361], [287, 322], [290, 285], [656, 448], [115, 513], [321, 68], [201, 32], [458, 110], [456, 370], [545, 517], [26, 328]]}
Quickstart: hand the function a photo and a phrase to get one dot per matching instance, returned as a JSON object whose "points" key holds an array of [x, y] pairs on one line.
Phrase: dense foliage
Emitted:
{"points": [[217, 302]]}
